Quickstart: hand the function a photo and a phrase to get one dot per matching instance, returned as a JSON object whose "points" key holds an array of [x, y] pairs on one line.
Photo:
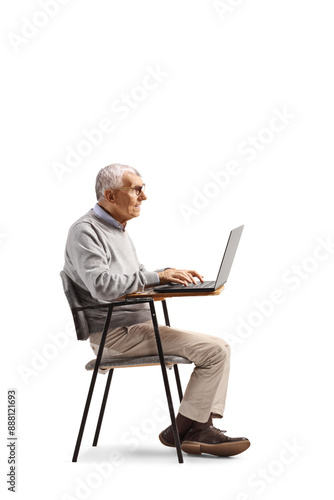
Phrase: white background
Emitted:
{"points": [[224, 75]]}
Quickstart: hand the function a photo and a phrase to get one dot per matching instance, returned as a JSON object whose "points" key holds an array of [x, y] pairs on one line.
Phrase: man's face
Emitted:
{"points": [[127, 204]]}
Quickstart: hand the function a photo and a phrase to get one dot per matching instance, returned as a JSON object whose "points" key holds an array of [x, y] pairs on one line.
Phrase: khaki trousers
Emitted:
{"points": [[207, 387]]}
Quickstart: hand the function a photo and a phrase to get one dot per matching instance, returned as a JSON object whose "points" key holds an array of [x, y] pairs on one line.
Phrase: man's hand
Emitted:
{"points": [[182, 276]]}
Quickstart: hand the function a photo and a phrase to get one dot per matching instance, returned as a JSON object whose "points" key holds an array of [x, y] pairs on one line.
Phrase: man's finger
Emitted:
{"points": [[179, 280], [190, 277], [199, 276]]}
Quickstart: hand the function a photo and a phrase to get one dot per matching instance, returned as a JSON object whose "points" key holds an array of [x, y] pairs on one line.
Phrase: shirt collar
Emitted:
{"points": [[108, 218]]}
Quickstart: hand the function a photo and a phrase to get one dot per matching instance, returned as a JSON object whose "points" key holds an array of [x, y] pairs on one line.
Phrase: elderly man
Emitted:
{"points": [[101, 261]]}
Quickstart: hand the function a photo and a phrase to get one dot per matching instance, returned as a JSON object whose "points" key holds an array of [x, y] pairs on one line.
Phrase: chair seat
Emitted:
{"points": [[126, 362]]}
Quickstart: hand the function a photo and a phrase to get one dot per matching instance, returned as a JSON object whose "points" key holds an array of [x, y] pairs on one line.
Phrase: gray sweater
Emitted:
{"points": [[101, 261]]}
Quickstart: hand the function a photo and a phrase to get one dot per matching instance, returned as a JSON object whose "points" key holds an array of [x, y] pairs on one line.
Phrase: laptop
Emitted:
{"points": [[223, 273]]}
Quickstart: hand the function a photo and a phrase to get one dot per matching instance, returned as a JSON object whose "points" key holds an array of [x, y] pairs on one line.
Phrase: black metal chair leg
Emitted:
{"points": [[92, 385], [103, 406], [176, 370], [84, 416], [165, 378], [164, 307], [178, 382]]}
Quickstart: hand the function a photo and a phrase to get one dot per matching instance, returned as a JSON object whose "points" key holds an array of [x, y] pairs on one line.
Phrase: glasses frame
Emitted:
{"points": [[140, 189]]}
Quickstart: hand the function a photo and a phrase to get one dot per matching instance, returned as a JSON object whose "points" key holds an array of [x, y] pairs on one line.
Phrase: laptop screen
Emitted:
{"points": [[230, 251]]}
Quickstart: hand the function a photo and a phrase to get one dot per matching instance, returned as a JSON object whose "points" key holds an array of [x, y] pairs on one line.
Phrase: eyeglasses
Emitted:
{"points": [[137, 189]]}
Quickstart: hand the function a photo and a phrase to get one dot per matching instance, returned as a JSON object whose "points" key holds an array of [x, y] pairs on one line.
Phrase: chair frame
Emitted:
{"points": [[110, 307]]}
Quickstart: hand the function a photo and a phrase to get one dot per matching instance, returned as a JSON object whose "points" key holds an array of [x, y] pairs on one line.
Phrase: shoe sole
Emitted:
{"points": [[220, 449]]}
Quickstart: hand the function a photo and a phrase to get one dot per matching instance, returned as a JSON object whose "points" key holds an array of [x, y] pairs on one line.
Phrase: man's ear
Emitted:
{"points": [[108, 194]]}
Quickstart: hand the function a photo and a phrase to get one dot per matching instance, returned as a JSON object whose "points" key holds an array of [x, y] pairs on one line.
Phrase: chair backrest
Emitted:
{"points": [[80, 321]]}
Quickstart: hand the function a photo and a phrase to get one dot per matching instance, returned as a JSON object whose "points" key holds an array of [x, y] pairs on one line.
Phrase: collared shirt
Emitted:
{"points": [[108, 218]]}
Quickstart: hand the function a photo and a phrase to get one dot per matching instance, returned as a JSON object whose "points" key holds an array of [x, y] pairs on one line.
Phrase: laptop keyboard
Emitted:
{"points": [[206, 284]]}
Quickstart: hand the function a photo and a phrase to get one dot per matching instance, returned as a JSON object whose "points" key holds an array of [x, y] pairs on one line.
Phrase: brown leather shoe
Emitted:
{"points": [[212, 440], [167, 437]]}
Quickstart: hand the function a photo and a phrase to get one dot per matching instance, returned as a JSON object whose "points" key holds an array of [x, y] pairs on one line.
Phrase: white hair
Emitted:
{"points": [[111, 177]]}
